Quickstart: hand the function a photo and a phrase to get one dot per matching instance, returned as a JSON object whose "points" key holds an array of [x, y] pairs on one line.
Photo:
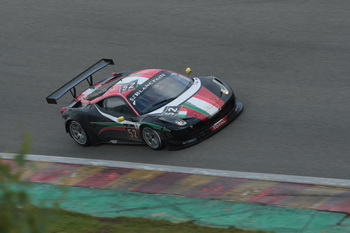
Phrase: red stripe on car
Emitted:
{"points": [[208, 96], [120, 128]]}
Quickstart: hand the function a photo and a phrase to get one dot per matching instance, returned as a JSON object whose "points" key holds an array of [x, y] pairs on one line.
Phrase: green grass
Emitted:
{"points": [[61, 221]]}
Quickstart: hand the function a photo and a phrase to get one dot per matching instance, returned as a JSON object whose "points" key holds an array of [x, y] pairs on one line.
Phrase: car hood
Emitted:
{"points": [[198, 101]]}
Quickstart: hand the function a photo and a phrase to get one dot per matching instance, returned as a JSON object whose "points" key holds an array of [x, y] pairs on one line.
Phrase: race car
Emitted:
{"points": [[157, 107]]}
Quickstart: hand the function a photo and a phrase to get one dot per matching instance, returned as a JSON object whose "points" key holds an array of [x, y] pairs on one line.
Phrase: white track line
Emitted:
{"points": [[191, 170]]}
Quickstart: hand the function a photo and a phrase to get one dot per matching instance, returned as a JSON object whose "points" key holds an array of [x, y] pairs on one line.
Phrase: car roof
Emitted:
{"points": [[122, 86]]}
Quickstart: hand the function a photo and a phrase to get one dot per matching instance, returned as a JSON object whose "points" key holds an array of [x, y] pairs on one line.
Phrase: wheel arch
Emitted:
{"points": [[160, 131], [90, 134], [67, 125]]}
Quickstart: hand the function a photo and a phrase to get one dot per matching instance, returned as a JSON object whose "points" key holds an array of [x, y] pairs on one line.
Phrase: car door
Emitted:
{"points": [[106, 122]]}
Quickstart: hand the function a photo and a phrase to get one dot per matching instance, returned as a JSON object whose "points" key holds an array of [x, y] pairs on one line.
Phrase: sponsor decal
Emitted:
{"points": [[145, 87], [128, 79], [219, 123], [171, 110], [133, 133], [129, 86]]}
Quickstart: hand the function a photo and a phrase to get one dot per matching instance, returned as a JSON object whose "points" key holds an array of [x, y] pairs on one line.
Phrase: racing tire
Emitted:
{"points": [[77, 132], [152, 138]]}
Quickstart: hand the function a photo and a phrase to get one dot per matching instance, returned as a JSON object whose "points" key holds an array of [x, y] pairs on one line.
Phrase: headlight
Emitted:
{"points": [[223, 90], [180, 122]]}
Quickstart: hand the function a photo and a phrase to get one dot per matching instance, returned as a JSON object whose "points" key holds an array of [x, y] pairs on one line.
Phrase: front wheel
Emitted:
{"points": [[79, 135], [152, 138]]}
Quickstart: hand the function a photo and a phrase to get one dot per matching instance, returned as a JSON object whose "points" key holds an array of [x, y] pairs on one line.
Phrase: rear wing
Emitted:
{"points": [[70, 86]]}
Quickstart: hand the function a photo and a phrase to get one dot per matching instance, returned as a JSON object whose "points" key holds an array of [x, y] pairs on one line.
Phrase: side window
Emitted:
{"points": [[116, 106]]}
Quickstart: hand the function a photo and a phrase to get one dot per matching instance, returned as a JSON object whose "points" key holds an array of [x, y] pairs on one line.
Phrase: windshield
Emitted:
{"points": [[158, 91]]}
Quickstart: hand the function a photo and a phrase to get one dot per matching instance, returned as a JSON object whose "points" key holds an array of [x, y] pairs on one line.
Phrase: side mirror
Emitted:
{"points": [[188, 70], [120, 119]]}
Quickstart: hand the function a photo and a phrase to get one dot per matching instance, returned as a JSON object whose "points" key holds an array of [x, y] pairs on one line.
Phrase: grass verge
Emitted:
{"points": [[69, 222]]}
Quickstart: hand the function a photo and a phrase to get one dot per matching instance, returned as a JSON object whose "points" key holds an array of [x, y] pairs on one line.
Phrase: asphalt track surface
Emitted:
{"points": [[288, 62]]}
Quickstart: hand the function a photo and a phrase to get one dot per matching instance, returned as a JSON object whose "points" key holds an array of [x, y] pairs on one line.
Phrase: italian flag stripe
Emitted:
{"points": [[191, 106], [206, 95], [182, 114], [203, 105]]}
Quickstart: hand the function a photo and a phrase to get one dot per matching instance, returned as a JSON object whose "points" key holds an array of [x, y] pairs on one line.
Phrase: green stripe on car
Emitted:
{"points": [[188, 105], [155, 126], [107, 123]]}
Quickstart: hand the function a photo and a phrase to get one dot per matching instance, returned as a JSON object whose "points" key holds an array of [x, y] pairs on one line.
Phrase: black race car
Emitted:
{"points": [[158, 107]]}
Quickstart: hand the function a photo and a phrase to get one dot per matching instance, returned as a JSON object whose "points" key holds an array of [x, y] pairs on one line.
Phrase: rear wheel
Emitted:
{"points": [[79, 135], [152, 138]]}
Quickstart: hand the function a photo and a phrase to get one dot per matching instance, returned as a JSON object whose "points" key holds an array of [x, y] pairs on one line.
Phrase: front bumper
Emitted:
{"points": [[202, 130]]}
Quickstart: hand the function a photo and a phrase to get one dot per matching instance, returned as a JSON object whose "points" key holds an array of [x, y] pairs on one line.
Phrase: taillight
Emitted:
{"points": [[63, 110]]}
